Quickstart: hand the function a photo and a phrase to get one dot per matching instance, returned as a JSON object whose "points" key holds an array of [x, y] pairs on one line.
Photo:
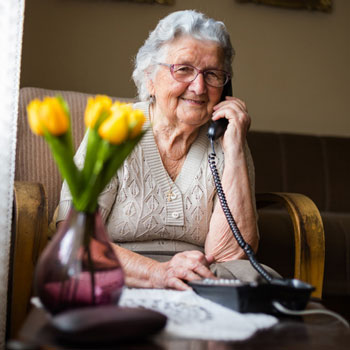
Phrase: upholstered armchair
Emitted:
{"points": [[37, 188]]}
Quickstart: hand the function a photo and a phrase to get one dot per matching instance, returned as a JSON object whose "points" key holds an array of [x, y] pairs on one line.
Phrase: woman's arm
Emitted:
{"points": [[220, 241], [143, 272]]}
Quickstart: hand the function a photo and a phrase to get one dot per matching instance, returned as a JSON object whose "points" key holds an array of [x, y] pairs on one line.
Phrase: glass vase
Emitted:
{"points": [[79, 266]]}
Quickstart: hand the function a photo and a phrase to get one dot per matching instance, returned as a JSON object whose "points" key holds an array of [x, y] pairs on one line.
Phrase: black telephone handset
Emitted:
{"points": [[240, 296], [217, 128]]}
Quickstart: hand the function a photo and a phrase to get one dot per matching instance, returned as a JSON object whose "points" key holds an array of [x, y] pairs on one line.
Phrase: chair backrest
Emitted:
{"points": [[317, 166], [34, 161]]}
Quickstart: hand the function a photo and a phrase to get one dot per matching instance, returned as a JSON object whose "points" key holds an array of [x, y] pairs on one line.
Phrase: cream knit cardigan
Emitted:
{"points": [[138, 212]]}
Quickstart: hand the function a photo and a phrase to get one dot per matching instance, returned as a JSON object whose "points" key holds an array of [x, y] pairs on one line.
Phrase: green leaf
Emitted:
{"points": [[88, 199], [93, 144], [68, 134], [103, 116], [123, 151], [110, 158], [63, 156]]}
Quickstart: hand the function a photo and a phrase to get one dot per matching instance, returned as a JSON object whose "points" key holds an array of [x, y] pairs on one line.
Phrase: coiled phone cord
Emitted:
{"points": [[235, 230]]}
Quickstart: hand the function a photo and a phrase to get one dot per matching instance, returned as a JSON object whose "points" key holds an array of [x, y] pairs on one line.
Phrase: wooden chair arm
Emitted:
{"points": [[308, 235], [29, 237]]}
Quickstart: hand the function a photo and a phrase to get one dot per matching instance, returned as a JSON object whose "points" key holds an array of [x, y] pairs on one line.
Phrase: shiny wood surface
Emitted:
{"points": [[29, 237], [310, 332], [308, 235]]}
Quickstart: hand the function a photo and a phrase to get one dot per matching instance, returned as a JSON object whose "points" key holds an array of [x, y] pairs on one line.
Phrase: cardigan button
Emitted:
{"points": [[175, 215]]}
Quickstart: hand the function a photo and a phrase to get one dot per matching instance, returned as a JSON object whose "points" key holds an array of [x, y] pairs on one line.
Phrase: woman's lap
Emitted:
{"points": [[235, 269], [239, 269]]}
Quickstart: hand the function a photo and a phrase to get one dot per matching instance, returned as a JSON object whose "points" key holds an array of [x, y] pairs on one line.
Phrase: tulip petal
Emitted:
{"points": [[34, 117]]}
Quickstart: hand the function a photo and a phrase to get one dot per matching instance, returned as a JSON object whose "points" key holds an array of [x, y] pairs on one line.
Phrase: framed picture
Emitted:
{"points": [[320, 5], [161, 2]]}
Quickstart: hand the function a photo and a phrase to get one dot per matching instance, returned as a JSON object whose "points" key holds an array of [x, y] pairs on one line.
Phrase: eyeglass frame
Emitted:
{"points": [[198, 71]]}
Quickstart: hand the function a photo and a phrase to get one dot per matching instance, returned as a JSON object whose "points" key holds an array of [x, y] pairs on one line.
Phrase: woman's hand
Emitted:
{"points": [[185, 266], [236, 112], [237, 183]]}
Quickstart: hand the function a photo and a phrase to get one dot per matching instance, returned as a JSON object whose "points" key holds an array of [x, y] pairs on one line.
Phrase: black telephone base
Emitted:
{"points": [[255, 297]]}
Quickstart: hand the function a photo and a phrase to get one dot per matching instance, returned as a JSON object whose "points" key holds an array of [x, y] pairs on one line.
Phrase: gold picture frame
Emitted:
{"points": [[161, 2], [320, 5]]}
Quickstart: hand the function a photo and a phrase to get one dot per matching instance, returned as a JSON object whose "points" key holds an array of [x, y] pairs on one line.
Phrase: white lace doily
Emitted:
{"points": [[191, 316]]}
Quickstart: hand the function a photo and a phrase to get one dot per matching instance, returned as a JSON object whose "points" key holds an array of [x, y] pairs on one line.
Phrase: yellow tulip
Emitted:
{"points": [[119, 106], [47, 114], [53, 117], [34, 117], [135, 117], [115, 128], [95, 107], [136, 121]]}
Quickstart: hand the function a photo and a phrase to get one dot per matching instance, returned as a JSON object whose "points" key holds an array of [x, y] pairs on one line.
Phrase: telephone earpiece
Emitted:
{"points": [[217, 128]]}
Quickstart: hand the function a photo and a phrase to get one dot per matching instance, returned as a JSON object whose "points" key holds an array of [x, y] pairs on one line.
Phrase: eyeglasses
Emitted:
{"points": [[185, 73]]}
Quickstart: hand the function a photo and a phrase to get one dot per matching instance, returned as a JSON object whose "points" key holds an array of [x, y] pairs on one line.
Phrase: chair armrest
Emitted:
{"points": [[308, 235], [28, 239]]}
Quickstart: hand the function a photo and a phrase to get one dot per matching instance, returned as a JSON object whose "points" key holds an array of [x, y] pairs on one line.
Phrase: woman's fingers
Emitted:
{"points": [[178, 284], [236, 118], [236, 112], [196, 266], [185, 274], [230, 110], [210, 259], [229, 100], [185, 266], [203, 272]]}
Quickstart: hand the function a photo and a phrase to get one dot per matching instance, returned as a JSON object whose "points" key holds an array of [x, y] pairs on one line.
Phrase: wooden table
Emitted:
{"points": [[316, 332]]}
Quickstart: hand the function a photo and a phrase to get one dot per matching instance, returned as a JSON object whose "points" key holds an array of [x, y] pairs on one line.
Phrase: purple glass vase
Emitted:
{"points": [[79, 266]]}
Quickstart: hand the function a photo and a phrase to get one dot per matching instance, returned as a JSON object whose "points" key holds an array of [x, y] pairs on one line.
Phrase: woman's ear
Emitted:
{"points": [[150, 86], [150, 83]]}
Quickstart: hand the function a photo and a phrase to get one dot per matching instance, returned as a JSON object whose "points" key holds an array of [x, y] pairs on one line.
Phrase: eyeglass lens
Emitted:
{"points": [[187, 73]]}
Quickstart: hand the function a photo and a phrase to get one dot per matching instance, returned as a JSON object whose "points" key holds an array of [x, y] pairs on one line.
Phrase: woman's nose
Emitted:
{"points": [[198, 85]]}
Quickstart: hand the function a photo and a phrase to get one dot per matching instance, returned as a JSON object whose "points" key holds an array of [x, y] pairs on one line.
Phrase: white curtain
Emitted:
{"points": [[11, 30]]}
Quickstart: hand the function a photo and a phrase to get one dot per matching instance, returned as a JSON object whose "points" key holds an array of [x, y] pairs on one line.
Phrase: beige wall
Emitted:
{"points": [[292, 67]]}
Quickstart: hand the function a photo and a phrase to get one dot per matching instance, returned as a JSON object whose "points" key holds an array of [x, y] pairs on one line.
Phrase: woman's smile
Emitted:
{"points": [[193, 101]]}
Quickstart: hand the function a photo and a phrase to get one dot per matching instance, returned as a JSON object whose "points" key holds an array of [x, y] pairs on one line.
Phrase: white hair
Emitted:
{"points": [[179, 23]]}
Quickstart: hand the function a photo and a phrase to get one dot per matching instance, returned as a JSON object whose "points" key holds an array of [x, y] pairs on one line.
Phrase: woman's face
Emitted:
{"points": [[187, 103]]}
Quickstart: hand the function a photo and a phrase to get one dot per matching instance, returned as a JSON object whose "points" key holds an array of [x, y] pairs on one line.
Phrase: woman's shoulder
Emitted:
{"points": [[142, 105]]}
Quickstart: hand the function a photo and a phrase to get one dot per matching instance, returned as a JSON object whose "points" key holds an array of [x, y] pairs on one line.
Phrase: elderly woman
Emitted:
{"points": [[161, 208]]}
